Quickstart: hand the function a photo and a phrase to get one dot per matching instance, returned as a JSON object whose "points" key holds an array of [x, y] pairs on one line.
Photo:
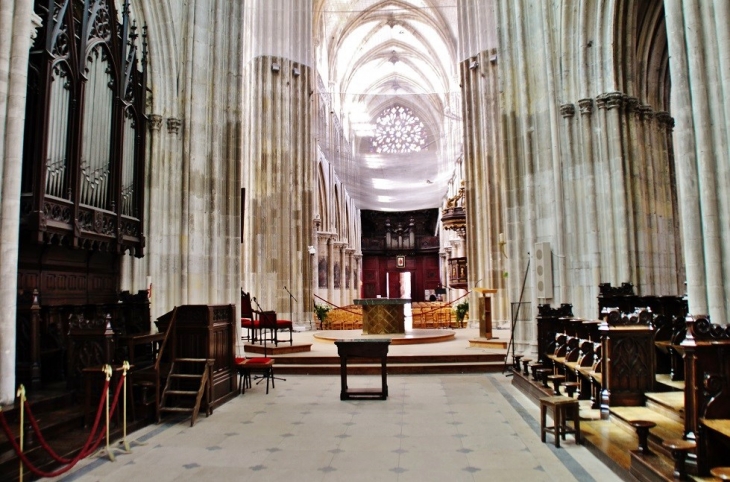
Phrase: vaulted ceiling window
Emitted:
{"points": [[399, 131]]}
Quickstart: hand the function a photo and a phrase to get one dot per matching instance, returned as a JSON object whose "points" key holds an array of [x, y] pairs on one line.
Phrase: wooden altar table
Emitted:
{"points": [[348, 349]]}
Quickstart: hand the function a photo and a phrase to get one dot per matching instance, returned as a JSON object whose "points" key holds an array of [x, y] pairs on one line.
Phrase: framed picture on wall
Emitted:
{"points": [[400, 261]]}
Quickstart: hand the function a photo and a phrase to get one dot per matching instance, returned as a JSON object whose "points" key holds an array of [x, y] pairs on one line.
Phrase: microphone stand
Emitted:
{"points": [[291, 297], [511, 344]]}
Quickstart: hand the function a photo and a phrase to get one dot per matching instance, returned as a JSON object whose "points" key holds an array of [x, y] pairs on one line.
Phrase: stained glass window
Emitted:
{"points": [[398, 130]]}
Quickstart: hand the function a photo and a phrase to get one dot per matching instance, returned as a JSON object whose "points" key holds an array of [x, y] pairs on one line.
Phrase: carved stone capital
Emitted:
{"points": [[585, 106], [155, 122], [631, 105], [567, 110], [665, 120], [173, 125], [610, 100], [646, 112]]}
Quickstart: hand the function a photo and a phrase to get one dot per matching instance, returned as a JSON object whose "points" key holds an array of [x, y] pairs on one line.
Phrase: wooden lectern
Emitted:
{"points": [[485, 321]]}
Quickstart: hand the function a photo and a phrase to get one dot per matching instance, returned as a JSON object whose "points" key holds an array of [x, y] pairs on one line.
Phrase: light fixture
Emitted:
{"points": [[474, 65], [493, 59], [295, 72], [275, 67]]}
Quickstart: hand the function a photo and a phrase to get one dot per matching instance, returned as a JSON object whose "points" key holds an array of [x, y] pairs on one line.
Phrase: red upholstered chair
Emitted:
{"points": [[283, 325], [248, 320]]}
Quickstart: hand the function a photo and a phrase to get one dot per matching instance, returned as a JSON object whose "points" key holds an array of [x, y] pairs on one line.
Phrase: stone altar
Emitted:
{"points": [[382, 315]]}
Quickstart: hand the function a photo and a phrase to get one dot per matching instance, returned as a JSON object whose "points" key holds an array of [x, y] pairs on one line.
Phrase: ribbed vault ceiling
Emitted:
{"points": [[394, 57]]}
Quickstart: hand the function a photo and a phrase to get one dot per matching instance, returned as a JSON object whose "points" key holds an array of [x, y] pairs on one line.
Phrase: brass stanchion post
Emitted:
{"points": [[21, 395], [125, 369], [107, 370]]}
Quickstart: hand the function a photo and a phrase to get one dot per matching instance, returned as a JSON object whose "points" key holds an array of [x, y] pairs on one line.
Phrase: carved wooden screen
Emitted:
{"points": [[83, 165]]}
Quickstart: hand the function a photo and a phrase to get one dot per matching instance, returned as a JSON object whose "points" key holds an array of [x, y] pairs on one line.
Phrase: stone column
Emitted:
{"points": [[350, 281], [573, 207], [338, 272], [330, 268], [589, 177], [700, 89], [278, 149], [18, 26], [447, 280], [618, 240], [357, 275]]}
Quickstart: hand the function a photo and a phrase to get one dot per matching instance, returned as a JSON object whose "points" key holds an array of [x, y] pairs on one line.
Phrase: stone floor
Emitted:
{"points": [[473, 427]]}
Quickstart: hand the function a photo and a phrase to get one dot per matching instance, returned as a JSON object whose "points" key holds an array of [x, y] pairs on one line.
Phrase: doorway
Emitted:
{"points": [[399, 285]]}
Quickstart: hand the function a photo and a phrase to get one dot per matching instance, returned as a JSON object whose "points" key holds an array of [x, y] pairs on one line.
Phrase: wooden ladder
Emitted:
{"points": [[188, 381]]}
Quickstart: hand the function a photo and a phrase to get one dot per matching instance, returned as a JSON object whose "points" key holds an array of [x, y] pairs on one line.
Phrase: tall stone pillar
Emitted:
{"points": [[479, 67], [350, 281], [700, 81], [18, 26], [331, 268], [590, 220], [278, 152], [338, 272], [615, 187], [357, 276]]}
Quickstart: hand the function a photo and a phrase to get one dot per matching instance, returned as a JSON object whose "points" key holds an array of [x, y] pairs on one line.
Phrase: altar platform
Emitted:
{"points": [[456, 354], [410, 337]]}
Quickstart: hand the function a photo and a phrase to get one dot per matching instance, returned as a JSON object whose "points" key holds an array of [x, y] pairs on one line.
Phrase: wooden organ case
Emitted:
{"points": [[82, 181], [82, 194]]}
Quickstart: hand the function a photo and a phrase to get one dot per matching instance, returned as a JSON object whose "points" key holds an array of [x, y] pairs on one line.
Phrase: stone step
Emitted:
{"points": [[393, 359], [393, 368]]}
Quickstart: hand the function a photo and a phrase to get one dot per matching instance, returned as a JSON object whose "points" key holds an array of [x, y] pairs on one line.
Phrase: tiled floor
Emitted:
{"points": [[431, 427]]}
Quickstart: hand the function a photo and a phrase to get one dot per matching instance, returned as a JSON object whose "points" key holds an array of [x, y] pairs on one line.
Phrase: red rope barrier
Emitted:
{"points": [[338, 307], [42, 439], [448, 303], [89, 447]]}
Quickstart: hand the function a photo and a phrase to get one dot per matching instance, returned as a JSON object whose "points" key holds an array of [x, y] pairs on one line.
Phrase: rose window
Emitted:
{"points": [[399, 130]]}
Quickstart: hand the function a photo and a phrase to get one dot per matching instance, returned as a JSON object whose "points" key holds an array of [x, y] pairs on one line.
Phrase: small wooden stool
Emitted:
{"points": [[722, 473], [642, 431], [571, 387], [526, 366], [562, 408], [533, 368], [679, 448], [557, 380], [542, 374]]}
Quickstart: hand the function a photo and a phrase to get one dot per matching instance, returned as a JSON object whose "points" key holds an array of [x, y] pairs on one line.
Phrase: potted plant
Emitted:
{"points": [[462, 311], [321, 312]]}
